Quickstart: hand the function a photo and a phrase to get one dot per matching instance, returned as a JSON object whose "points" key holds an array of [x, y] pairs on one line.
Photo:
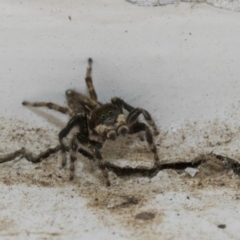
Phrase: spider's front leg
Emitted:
{"points": [[83, 138], [95, 147], [135, 126], [79, 121], [135, 112], [101, 165], [73, 155]]}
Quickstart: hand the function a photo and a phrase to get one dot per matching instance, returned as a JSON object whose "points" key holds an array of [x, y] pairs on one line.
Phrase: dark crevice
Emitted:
{"points": [[151, 172], [228, 163]]}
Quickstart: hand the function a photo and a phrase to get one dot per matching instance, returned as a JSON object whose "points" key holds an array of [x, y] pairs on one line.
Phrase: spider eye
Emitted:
{"points": [[110, 113], [103, 116]]}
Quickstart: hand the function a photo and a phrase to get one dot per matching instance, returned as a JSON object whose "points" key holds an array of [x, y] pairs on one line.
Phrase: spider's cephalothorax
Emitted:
{"points": [[97, 122]]}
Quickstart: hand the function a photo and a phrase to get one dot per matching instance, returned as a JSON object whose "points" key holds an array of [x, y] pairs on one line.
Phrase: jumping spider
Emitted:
{"points": [[97, 122]]}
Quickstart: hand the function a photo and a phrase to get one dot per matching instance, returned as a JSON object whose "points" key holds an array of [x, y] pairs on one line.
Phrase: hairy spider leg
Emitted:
{"points": [[74, 149], [49, 105], [95, 146], [137, 127], [73, 157], [89, 82], [102, 165], [86, 154], [121, 104], [80, 121], [136, 111]]}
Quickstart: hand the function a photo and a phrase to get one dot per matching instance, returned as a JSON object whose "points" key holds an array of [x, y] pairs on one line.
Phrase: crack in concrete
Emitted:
{"points": [[228, 163]]}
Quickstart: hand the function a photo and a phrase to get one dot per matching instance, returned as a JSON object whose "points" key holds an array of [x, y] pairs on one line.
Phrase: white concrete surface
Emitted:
{"points": [[181, 62], [233, 5]]}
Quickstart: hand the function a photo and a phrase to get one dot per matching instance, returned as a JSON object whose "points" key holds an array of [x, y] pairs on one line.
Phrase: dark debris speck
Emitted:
{"points": [[222, 226], [145, 216]]}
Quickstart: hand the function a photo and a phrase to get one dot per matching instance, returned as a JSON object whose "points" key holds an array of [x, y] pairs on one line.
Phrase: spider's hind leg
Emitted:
{"points": [[49, 105], [89, 82]]}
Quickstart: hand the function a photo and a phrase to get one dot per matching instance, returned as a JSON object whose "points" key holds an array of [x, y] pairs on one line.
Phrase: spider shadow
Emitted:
{"points": [[49, 117]]}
